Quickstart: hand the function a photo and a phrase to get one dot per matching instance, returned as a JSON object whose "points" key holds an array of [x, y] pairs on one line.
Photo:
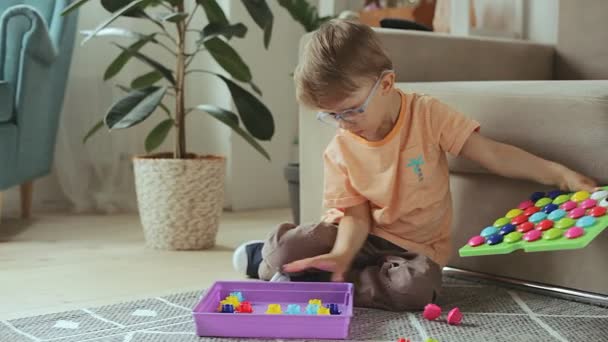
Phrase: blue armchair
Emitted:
{"points": [[36, 45]]}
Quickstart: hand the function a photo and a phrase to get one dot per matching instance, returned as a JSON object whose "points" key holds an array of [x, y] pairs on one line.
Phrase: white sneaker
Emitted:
{"points": [[280, 277]]}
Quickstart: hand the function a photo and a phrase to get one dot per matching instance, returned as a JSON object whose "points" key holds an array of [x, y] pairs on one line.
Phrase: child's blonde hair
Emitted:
{"points": [[338, 56]]}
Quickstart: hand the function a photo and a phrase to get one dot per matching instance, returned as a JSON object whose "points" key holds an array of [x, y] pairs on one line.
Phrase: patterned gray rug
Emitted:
{"points": [[491, 313]]}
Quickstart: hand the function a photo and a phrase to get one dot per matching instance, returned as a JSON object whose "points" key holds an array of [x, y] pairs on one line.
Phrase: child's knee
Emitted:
{"points": [[289, 243]]}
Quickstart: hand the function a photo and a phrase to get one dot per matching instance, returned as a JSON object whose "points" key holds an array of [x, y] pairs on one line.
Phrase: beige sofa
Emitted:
{"points": [[566, 121]]}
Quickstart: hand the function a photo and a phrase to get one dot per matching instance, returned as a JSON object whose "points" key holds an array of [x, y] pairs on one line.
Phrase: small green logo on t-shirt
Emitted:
{"points": [[416, 164]]}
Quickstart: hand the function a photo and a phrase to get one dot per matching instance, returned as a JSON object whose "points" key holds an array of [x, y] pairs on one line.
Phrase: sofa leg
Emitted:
{"points": [[27, 190]]}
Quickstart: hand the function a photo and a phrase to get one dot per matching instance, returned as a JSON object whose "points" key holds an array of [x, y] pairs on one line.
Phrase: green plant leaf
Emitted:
{"points": [[121, 60], [165, 109], [157, 136], [92, 131], [146, 80], [156, 22], [261, 14], [228, 117], [214, 29], [231, 120], [73, 6], [255, 88], [228, 59], [124, 88], [160, 105], [255, 115], [113, 32], [115, 16], [138, 105], [168, 74], [215, 14], [304, 13], [113, 6], [175, 2], [175, 17]]}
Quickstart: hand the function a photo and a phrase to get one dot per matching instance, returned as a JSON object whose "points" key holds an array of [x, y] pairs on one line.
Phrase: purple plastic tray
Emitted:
{"points": [[211, 323]]}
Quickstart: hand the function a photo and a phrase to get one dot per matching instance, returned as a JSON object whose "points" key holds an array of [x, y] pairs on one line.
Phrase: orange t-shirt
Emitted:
{"points": [[405, 176]]}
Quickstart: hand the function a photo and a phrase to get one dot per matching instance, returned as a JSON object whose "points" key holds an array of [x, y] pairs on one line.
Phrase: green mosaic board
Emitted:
{"points": [[541, 245]]}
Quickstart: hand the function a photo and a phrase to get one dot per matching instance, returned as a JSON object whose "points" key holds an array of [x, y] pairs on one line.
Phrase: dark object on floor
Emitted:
{"points": [[403, 25], [254, 259], [311, 276]]}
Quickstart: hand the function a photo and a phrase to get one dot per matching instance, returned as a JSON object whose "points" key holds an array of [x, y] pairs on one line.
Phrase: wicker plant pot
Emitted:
{"points": [[180, 200]]}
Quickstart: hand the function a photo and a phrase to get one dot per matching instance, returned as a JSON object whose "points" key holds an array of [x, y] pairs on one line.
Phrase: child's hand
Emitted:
{"points": [[574, 181], [336, 264]]}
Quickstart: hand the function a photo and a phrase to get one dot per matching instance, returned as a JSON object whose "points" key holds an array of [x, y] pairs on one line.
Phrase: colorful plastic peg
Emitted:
{"points": [[227, 308], [233, 300], [454, 317], [431, 312], [293, 309], [274, 309], [323, 311], [333, 309], [245, 307], [312, 309], [238, 295], [315, 301]]}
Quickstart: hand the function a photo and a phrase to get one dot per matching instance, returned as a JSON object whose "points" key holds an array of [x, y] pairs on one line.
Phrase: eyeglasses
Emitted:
{"points": [[350, 115]]}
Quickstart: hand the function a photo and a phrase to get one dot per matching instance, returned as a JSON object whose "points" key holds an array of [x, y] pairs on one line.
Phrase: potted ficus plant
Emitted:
{"points": [[180, 194]]}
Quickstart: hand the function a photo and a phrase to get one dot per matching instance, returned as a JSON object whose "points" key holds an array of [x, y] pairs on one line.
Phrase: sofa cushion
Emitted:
{"points": [[6, 102], [564, 121], [420, 56]]}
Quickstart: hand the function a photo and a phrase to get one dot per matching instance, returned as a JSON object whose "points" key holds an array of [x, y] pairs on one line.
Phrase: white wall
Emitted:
{"points": [[541, 20], [257, 183], [534, 20]]}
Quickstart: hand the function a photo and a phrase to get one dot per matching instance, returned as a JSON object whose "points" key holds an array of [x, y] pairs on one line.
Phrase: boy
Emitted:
{"points": [[386, 174]]}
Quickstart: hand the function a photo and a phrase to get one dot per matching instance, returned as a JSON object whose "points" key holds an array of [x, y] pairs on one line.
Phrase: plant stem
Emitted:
{"points": [[166, 48], [191, 16], [191, 56], [180, 142], [165, 33], [199, 70]]}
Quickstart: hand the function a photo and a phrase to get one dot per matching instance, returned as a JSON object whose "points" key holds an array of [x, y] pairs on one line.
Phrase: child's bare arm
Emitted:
{"points": [[352, 233], [510, 161]]}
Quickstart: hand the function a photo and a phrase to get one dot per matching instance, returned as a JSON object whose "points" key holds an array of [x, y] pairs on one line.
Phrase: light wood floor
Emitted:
{"points": [[57, 262]]}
